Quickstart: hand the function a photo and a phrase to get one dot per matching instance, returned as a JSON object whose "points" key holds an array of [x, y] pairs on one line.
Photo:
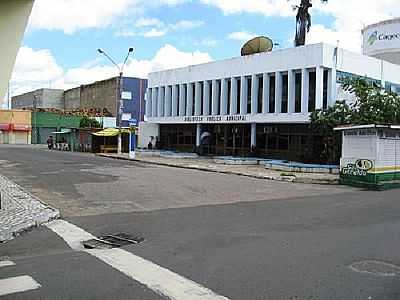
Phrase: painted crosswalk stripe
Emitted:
{"points": [[17, 285], [6, 263], [159, 279]]}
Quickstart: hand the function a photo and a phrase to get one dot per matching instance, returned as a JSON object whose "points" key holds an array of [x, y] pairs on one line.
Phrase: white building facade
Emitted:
{"points": [[262, 101]]}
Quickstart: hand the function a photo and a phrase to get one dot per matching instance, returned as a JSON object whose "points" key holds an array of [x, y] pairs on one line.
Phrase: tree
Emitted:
{"points": [[323, 123], [372, 105], [303, 21], [87, 122]]}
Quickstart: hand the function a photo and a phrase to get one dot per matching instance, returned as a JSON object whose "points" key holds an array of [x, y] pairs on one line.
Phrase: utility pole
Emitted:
{"points": [[35, 119], [119, 110]]}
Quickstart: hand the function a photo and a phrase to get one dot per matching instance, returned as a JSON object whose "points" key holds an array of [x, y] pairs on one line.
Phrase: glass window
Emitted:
{"points": [[249, 86], [297, 107], [272, 94], [285, 97], [312, 91], [260, 94]]}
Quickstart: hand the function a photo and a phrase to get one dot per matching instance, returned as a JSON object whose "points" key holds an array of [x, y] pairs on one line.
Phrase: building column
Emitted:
{"points": [[291, 92], [319, 88], [148, 103], [161, 99], [266, 87], [215, 92], [154, 105], [234, 95], [305, 90], [168, 101], [243, 95], [206, 99], [278, 92], [189, 99], [198, 135], [253, 135], [175, 100], [224, 97], [254, 94], [197, 99], [182, 100], [332, 88]]}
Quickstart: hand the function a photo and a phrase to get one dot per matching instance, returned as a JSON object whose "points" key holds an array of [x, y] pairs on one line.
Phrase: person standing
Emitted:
{"points": [[50, 142]]}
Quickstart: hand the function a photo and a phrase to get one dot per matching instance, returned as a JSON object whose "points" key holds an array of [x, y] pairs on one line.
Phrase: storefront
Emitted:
{"points": [[15, 127]]}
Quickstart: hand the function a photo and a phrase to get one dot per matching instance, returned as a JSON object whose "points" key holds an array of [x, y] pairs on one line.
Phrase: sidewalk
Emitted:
{"points": [[20, 211], [254, 171]]}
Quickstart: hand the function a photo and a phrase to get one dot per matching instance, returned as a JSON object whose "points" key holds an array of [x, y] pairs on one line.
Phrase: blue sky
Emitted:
{"points": [[59, 48]]}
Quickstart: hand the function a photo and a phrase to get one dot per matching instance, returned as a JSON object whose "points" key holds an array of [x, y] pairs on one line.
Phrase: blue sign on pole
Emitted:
{"points": [[132, 145], [133, 122]]}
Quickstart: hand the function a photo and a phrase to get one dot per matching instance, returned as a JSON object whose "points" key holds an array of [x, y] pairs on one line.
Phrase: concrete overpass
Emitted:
{"points": [[14, 15]]}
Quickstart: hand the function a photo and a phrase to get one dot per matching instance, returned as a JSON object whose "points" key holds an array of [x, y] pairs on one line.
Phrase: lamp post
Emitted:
{"points": [[119, 110]]}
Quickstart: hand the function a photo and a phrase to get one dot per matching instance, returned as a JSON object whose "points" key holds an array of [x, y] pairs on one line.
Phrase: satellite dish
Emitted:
{"points": [[257, 45]]}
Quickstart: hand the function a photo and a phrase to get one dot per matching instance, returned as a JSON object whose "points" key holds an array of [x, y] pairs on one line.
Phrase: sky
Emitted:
{"points": [[59, 47]]}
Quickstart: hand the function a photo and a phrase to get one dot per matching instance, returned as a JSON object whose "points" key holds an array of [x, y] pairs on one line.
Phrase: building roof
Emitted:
{"points": [[390, 21], [351, 127]]}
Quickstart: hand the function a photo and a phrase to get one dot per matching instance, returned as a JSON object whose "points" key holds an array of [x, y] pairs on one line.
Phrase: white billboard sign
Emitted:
{"points": [[381, 38]]}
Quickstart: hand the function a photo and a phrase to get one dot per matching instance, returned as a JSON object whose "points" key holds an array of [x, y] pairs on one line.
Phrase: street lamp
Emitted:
{"points": [[119, 101]]}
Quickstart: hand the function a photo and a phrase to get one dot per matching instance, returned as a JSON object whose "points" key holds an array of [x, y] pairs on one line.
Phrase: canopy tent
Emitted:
{"points": [[62, 131], [109, 132]]}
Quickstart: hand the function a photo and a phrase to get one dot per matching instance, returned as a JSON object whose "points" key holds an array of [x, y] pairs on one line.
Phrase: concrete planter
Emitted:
{"points": [[244, 161], [301, 168]]}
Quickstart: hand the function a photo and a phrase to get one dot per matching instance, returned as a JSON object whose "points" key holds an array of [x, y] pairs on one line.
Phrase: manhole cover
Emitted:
{"points": [[377, 268], [112, 241]]}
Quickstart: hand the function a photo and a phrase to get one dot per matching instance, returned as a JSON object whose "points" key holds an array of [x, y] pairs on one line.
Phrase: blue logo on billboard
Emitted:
{"points": [[373, 38]]}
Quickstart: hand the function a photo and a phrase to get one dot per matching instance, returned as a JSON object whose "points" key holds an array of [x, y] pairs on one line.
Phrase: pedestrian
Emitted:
{"points": [[50, 142], [150, 146]]}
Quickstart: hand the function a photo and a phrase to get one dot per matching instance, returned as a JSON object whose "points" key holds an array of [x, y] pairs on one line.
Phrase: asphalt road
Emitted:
{"points": [[243, 238]]}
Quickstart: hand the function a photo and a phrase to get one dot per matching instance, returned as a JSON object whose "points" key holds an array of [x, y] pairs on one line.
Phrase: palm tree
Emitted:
{"points": [[303, 21]]}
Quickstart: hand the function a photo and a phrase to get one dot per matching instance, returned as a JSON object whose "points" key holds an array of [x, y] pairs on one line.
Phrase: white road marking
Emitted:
{"points": [[71, 234], [161, 280], [17, 284], [6, 263]]}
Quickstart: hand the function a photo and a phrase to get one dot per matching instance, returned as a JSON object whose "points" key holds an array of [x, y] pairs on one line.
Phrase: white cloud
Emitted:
{"points": [[73, 15], [241, 36], [144, 22], [265, 7], [155, 33], [153, 28], [38, 68], [207, 42], [350, 17], [34, 69], [187, 25]]}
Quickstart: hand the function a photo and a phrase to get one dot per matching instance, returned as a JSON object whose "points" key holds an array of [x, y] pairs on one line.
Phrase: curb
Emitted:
{"points": [[292, 179]]}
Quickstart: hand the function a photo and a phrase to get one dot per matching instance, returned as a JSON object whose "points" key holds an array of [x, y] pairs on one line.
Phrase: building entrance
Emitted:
{"points": [[226, 140]]}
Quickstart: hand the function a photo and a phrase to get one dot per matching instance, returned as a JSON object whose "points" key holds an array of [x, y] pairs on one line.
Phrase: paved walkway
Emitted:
{"points": [[20, 211], [254, 171]]}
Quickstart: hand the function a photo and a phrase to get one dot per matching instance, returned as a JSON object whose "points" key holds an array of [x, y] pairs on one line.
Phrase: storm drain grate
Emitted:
{"points": [[112, 241]]}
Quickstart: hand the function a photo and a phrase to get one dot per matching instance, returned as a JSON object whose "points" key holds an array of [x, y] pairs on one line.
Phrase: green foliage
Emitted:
{"points": [[374, 105], [87, 122], [324, 121]]}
